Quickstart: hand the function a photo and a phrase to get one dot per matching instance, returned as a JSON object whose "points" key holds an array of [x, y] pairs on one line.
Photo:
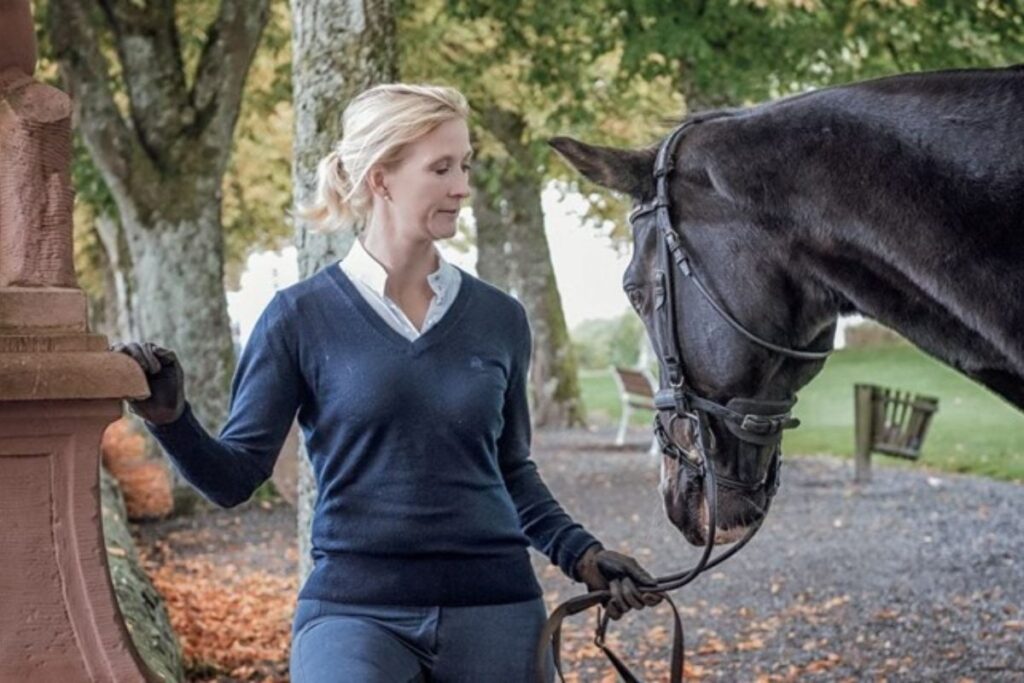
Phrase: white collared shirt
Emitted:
{"points": [[369, 277]]}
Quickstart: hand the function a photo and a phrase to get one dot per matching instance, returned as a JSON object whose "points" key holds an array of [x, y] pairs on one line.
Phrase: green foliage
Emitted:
{"points": [[540, 63], [603, 342], [607, 70], [733, 53], [604, 407]]}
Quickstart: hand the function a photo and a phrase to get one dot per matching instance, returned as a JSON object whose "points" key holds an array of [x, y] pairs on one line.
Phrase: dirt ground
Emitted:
{"points": [[918, 576]]}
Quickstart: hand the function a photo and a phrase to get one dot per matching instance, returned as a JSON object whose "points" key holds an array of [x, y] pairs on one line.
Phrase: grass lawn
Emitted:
{"points": [[974, 430]]}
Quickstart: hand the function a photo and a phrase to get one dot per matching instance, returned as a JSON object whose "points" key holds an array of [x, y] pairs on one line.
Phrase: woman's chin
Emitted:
{"points": [[443, 227]]}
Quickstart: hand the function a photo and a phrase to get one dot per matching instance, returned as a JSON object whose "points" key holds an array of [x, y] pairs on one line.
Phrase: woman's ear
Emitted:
{"points": [[377, 181]]}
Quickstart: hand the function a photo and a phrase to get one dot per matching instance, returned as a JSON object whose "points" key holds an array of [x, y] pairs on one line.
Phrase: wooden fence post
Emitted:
{"points": [[864, 411]]}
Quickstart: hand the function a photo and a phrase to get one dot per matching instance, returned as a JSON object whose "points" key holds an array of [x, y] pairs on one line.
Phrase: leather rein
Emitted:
{"points": [[757, 423]]}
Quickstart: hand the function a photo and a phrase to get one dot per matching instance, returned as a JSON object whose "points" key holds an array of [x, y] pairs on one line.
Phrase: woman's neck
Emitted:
{"points": [[407, 262]]}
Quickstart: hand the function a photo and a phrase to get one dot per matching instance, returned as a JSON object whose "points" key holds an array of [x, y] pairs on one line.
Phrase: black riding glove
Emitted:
{"points": [[166, 379], [619, 574]]}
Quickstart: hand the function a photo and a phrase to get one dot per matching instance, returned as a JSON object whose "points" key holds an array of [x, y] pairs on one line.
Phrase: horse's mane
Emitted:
{"points": [[920, 81]]}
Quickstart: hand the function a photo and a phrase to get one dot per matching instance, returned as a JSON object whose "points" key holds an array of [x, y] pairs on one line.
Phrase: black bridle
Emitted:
{"points": [[757, 423]]}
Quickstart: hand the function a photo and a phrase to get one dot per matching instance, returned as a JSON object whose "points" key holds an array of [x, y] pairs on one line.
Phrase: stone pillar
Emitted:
{"points": [[59, 389]]}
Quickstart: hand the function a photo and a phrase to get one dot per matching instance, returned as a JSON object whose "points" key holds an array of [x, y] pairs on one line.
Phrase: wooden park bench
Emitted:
{"points": [[636, 392], [889, 422]]}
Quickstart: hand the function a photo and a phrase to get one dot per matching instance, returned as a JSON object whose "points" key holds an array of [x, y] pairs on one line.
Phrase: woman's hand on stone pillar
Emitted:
{"points": [[166, 379]]}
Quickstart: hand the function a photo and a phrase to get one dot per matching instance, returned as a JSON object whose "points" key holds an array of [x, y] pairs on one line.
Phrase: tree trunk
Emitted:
{"points": [[179, 270], [513, 254], [494, 263], [165, 168], [339, 49], [120, 298], [103, 305]]}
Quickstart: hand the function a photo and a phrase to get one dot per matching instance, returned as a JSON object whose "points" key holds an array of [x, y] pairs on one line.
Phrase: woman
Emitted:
{"points": [[409, 379]]}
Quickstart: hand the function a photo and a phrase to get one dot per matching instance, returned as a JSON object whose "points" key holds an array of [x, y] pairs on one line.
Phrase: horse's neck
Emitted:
{"points": [[956, 297], [918, 217]]}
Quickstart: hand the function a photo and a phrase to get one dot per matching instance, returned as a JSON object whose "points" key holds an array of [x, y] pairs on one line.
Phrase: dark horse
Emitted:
{"points": [[900, 198]]}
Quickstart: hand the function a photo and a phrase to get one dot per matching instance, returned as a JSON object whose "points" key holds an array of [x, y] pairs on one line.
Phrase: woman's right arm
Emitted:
{"points": [[266, 391]]}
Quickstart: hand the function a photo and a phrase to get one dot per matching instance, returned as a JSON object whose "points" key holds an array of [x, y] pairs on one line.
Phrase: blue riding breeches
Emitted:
{"points": [[334, 642]]}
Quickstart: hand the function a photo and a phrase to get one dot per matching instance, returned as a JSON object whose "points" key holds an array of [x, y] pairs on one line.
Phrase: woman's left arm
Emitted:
{"points": [[550, 529]]}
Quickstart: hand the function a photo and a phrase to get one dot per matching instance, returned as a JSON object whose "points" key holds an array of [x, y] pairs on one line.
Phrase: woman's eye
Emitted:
{"points": [[442, 171], [467, 167]]}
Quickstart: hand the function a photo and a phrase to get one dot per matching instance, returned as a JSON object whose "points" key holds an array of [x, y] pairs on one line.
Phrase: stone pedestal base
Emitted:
{"points": [[59, 619]]}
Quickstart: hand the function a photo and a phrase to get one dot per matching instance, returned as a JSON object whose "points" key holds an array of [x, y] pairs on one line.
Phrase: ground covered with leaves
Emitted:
{"points": [[917, 576]]}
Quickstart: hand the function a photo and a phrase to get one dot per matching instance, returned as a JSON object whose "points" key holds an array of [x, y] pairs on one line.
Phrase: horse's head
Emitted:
{"points": [[723, 393]]}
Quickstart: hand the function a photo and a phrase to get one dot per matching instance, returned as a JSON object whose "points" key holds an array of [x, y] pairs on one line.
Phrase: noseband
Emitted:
{"points": [[758, 424]]}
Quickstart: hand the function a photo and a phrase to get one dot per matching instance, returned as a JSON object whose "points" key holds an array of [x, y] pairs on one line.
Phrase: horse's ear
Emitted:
{"points": [[623, 170]]}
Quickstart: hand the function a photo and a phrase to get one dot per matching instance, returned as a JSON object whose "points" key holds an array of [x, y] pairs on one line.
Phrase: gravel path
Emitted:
{"points": [[917, 576]]}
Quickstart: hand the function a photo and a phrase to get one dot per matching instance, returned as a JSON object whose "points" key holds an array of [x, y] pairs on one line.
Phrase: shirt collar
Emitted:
{"points": [[360, 264]]}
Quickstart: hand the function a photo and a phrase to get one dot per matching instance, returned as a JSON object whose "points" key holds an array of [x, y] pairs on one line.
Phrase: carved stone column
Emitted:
{"points": [[59, 389]]}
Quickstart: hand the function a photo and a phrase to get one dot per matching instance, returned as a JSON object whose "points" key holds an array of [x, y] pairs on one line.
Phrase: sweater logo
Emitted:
{"points": [[476, 363]]}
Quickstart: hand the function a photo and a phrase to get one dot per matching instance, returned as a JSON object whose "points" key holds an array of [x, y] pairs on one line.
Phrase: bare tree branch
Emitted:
{"points": [[508, 128], [86, 74], [220, 77], [119, 12], [149, 50]]}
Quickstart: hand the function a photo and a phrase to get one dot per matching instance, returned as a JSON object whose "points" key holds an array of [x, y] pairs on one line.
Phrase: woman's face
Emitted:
{"points": [[429, 183]]}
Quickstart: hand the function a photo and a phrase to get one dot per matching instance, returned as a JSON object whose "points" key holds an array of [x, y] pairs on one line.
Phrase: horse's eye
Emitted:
{"points": [[636, 298]]}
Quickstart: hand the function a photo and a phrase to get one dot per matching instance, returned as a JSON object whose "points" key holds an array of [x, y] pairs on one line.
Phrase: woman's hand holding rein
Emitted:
{"points": [[620, 574]]}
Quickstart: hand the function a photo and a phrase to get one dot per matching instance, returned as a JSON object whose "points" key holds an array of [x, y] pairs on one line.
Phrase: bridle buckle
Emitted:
{"points": [[758, 424]]}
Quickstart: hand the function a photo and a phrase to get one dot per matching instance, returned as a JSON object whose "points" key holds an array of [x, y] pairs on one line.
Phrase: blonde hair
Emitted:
{"points": [[376, 127]]}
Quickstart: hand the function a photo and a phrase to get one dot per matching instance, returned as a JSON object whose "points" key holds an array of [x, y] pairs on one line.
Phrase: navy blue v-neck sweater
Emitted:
{"points": [[421, 449]]}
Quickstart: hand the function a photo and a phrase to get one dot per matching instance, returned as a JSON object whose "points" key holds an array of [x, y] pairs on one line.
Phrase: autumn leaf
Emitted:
{"points": [[712, 645], [750, 644], [236, 623], [830, 661]]}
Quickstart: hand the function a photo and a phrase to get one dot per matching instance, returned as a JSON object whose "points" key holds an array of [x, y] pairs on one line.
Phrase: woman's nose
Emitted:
{"points": [[462, 188]]}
